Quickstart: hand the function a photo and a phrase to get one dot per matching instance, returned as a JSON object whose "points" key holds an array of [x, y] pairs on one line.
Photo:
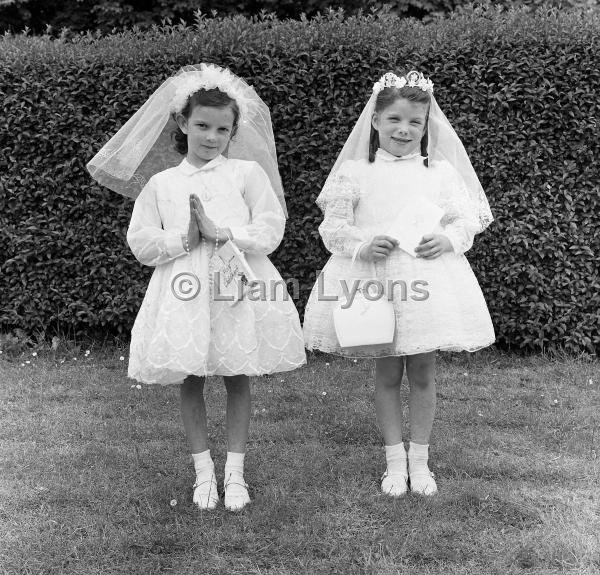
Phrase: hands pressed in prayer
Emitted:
{"points": [[433, 246], [193, 234], [208, 229]]}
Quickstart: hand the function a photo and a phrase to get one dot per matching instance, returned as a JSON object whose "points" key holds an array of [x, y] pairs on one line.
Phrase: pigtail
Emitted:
{"points": [[425, 143], [373, 144]]}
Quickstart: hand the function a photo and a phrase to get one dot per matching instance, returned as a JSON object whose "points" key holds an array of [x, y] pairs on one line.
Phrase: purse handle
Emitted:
{"points": [[373, 265]]}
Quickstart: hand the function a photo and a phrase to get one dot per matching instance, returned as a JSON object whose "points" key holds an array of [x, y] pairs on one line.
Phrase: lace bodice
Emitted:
{"points": [[363, 199]]}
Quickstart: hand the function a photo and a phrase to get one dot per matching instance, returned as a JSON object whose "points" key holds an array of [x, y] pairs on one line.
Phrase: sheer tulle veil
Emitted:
{"points": [[143, 146], [443, 144]]}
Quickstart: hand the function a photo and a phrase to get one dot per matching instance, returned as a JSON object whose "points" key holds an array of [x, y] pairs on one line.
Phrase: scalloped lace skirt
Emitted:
{"points": [[452, 317], [172, 338]]}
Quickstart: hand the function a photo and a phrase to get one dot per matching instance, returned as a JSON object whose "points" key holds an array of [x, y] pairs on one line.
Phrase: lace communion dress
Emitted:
{"points": [[362, 201], [174, 337]]}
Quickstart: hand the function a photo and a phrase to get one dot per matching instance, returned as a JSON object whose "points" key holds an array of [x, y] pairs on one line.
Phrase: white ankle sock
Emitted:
{"points": [[394, 482], [395, 456], [234, 463], [205, 488], [236, 490], [203, 463], [421, 479]]}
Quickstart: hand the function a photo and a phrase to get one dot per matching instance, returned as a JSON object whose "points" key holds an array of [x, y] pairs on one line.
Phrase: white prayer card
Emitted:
{"points": [[415, 220]]}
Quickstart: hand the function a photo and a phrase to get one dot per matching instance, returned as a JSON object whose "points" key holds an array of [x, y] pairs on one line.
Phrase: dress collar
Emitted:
{"points": [[188, 169], [385, 155]]}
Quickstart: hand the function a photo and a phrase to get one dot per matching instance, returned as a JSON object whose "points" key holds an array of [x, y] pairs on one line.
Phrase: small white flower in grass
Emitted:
{"points": [[326, 364], [74, 359], [138, 386], [324, 393], [355, 360], [173, 502], [132, 385], [121, 358], [480, 414], [465, 374], [0, 351], [590, 381], [28, 361], [22, 365], [555, 401], [34, 354]]}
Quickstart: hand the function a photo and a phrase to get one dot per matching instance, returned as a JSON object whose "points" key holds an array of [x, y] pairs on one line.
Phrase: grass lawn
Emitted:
{"points": [[96, 479]]}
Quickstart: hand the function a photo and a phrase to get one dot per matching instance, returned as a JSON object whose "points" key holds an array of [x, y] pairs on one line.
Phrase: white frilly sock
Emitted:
{"points": [[394, 480], [236, 489], [421, 479]]}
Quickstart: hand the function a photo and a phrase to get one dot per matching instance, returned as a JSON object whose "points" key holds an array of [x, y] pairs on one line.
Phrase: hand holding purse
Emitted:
{"points": [[368, 319]]}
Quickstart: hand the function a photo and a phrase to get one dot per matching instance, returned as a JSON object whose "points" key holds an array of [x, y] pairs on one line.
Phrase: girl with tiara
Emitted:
{"points": [[403, 153], [226, 189]]}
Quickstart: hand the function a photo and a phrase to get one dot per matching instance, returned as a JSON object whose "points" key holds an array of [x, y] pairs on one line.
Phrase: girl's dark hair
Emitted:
{"points": [[386, 98], [213, 98]]}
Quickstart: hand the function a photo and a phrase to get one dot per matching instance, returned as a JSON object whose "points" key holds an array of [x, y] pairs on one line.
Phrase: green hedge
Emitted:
{"points": [[511, 84], [108, 15]]}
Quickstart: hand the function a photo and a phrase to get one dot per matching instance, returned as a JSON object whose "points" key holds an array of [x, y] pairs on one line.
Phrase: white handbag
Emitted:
{"points": [[367, 320]]}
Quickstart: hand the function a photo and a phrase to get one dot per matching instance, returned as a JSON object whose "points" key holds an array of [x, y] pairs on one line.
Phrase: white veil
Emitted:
{"points": [[443, 144], [143, 146]]}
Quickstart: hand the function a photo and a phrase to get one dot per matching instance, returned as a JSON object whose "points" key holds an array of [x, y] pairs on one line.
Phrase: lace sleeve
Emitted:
{"points": [[460, 222], [149, 242], [337, 201]]}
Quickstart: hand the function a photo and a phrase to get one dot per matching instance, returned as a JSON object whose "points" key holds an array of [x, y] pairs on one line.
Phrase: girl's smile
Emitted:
{"points": [[401, 126]]}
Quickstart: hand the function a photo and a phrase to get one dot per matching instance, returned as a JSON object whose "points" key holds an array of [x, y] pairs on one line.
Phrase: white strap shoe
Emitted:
{"points": [[394, 485], [206, 495], [236, 492], [423, 483]]}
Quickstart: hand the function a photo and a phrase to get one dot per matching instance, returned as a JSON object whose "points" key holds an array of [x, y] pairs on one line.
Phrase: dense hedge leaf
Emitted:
{"points": [[108, 15], [511, 84]]}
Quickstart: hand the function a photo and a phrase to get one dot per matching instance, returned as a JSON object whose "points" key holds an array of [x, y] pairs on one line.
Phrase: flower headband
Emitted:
{"points": [[206, 79], [413, 79]]}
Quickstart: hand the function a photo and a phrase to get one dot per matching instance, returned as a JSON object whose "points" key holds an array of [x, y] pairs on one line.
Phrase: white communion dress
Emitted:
{"points": [[174, 336], [438, 304]]}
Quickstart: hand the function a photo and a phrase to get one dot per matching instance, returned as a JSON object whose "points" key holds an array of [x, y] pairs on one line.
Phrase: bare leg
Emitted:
{"points": [[238, 412], [421, 375], [238, 422], [420, 370], [193, 413], [388, 377]]}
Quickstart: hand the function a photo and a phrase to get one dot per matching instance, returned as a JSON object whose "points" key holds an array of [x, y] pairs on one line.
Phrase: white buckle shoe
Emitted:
{"points": [[206, 496], [394, 485], [236, 493], [423, 484]]}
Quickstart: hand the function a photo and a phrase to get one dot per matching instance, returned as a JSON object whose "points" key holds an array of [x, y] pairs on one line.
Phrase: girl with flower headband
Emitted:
{"points": [[226, 189], [402, 154]]}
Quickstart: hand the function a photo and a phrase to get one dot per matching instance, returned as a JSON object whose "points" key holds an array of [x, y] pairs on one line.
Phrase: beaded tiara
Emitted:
{"points": [[413, 79]]}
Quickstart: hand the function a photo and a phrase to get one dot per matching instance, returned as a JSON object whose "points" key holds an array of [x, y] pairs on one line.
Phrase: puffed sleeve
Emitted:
{"points": [[150, 243], [267, 221], [460, 221], [337, 201]]}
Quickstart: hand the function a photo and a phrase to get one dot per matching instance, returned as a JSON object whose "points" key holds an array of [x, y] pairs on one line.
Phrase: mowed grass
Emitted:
{"points": [[96, 479]]}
